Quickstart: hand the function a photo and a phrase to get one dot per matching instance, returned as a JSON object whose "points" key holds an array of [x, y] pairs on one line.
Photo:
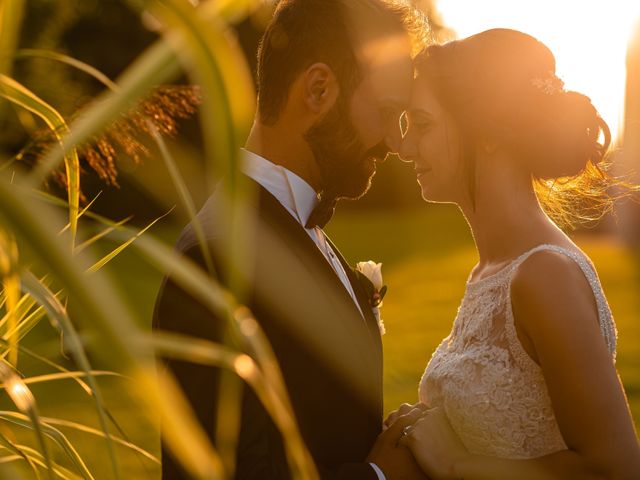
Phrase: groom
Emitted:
{"points": [[333, 78]]}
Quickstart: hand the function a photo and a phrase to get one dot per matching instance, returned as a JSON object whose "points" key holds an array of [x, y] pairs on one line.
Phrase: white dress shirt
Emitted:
{"points": [[299, 199]]}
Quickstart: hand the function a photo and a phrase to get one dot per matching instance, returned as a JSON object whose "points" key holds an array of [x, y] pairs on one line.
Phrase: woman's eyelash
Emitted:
{"points": [[420, 125]]}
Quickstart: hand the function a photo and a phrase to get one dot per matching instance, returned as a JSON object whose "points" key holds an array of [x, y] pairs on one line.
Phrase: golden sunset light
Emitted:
{"points": [[319, 239], [588, 38]]}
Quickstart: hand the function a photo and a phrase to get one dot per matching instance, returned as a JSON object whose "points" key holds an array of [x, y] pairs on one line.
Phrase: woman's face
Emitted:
{"points": [[432, 143]]}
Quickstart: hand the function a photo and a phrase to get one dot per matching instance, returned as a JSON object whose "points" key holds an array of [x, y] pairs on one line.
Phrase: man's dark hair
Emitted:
{"points": [[304, 32]]}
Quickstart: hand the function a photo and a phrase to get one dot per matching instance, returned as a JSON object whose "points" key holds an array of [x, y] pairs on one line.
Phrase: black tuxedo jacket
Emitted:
{"points": [[330, 356]]}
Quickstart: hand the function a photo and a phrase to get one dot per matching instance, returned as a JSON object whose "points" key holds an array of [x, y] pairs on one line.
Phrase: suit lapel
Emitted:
{"points": [[294, 232], [361, 296]]}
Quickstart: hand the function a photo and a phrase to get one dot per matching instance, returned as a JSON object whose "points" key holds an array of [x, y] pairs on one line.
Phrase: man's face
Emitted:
{"points": [[361, 130]]}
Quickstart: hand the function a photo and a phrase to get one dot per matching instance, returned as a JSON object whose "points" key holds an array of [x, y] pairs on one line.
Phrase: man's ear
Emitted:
{"points": [[320, 88]]}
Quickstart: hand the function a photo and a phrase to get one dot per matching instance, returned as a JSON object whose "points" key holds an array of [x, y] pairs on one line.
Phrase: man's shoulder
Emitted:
{"points": [[209, 221], [264, 209]]}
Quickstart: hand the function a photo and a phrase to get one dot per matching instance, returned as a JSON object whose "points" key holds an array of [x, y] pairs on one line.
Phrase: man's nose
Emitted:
{"points": [[393, 141]]}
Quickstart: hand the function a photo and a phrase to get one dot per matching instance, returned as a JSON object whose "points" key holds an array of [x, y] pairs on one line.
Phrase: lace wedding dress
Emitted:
{"points": [[493, 393]]}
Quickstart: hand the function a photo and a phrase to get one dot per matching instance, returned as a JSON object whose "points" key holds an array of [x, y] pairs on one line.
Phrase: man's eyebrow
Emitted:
{"points": [[393, 103]]}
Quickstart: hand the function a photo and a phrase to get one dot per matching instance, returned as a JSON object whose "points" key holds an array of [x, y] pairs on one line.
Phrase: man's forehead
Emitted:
{"points": [[387, 65], [385, 49]]}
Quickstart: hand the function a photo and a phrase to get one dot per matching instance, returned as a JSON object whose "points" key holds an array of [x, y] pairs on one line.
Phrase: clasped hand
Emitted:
{"points": [[427, 433]]}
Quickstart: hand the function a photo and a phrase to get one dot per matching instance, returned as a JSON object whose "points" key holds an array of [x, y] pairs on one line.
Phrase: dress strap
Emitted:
{"points": [[605, 318]]}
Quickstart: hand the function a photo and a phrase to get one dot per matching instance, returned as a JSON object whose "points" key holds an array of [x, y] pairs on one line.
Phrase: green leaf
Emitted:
{"points": [[383, 292], [367, 284]]}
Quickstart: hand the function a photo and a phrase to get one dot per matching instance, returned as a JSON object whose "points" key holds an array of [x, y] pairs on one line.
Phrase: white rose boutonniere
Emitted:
{"points": [[370, 276]]}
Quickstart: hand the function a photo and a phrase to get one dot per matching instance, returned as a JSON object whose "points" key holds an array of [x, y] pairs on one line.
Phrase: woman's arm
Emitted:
{"points": [[441, 455], [557, 323]]}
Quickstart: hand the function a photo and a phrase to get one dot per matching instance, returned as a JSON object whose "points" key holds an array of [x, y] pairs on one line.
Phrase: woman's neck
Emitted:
{"points": [[507, 218]]}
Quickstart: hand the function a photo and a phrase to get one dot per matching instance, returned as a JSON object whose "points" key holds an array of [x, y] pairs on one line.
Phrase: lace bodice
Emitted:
{"points": [[493, 393]]}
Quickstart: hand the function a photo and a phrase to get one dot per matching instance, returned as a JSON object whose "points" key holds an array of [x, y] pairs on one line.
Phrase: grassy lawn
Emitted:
{"points": [[427, 255]]}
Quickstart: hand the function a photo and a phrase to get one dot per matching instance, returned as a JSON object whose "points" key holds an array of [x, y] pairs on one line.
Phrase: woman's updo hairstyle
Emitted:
{"points": [[501, 85]]}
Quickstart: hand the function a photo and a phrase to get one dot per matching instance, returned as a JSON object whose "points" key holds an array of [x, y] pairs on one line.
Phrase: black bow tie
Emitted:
{"points": [[322, 213]]}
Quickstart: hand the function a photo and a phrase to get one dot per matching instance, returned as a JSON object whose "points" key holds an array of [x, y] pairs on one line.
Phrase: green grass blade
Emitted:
{"points": [[218, 66], [27, 352], [11, 13], [49, 377], [11, 287], [18, 94], [81, 212], [12, 447], [58, 202], [25, 401], [185, 197], [24, 305], [37, 458], [58, 313], [99, 433], [73, 62], [20, 330], [114, 253], [56, 435], [122, 345], [77, 376], [101, 234]]}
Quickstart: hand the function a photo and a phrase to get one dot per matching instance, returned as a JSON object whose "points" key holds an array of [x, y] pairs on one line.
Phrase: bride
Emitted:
{"points": [[525, 386]]}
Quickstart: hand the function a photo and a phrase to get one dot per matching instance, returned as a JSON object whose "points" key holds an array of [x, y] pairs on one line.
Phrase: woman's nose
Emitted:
{"points": [[407, 150]]}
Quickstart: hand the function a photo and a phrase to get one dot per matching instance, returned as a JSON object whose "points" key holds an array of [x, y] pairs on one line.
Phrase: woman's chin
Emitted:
{"points": [[431, 197], [427, 197]]}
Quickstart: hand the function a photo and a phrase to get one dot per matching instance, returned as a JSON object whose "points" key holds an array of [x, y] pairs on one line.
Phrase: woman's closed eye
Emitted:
{"points": [[419, 125], [419, 120]]}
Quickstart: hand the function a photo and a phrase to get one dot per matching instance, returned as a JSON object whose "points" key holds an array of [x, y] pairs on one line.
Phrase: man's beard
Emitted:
{"points": [[346, 165]]}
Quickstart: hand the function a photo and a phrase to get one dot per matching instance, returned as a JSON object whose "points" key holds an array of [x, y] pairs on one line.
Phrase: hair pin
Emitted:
{"points": [[549, 85]]}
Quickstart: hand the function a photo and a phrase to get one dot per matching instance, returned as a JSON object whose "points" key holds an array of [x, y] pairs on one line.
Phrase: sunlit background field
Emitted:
{"points": [[426, 250]]}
